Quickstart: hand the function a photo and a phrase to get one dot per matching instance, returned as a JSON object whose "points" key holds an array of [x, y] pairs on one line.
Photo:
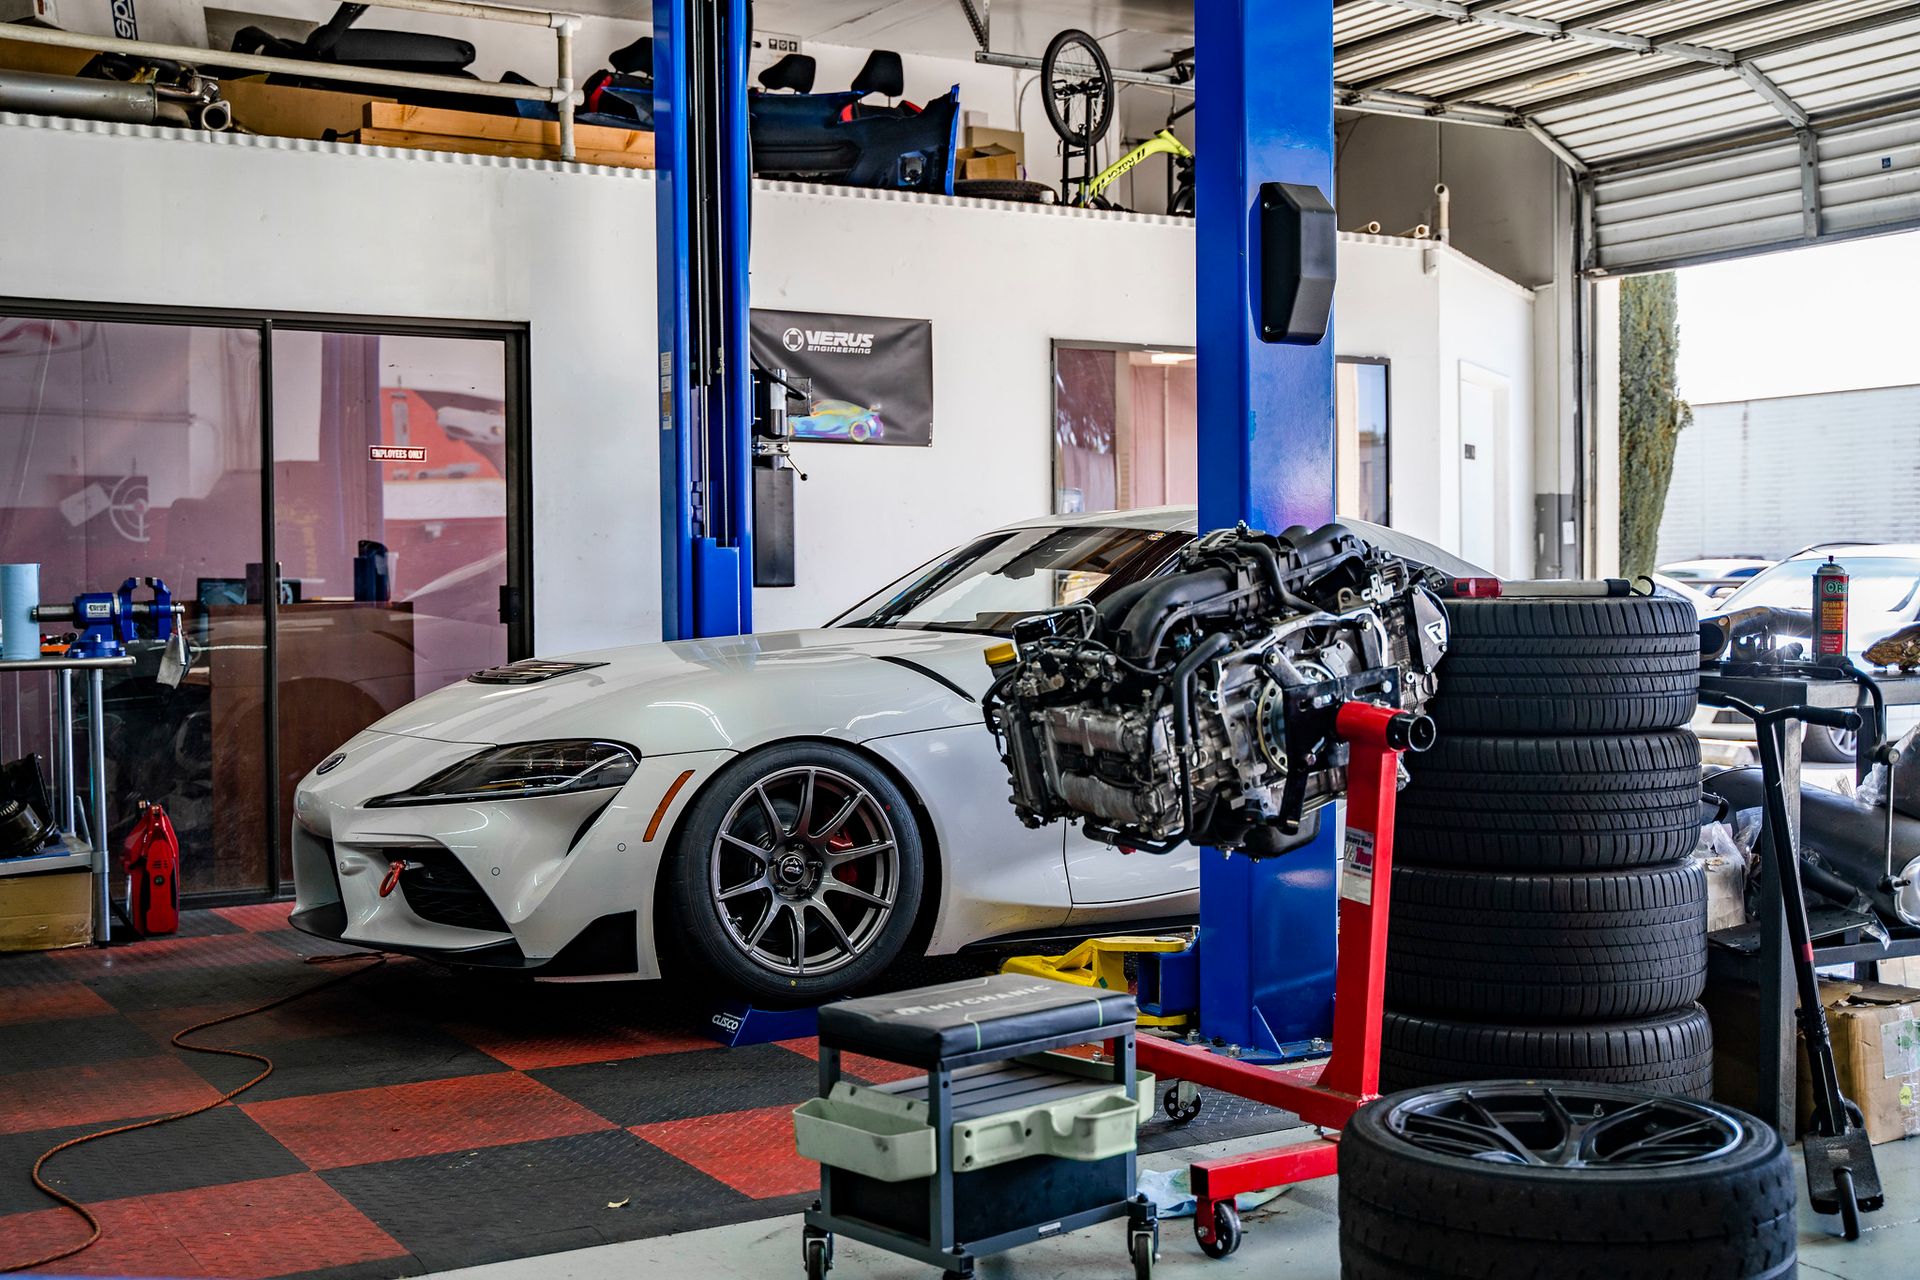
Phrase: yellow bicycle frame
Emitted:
{"points": [[1162, 143]]}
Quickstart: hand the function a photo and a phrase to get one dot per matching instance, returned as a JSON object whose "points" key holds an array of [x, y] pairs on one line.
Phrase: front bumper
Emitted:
{"points": [[550, 886]]}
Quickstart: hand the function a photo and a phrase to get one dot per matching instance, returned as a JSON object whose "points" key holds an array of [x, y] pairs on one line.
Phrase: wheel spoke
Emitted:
{"points": [[805, 815], [840, 817], [831, 885], [1501, 1133], [774, 909], [838, 857], [799, 940], [760, 852], [751, 886], [833, 923], [774, 824]]}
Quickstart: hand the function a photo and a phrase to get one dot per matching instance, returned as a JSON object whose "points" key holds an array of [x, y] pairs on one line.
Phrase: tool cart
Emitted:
{"points": [[1004, 1140]]}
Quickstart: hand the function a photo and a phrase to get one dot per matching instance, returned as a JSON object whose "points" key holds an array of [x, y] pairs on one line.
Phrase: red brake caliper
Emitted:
{"points": [[845, 872]]}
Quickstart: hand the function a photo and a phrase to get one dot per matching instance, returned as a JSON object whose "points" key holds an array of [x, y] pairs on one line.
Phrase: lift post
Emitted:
{"points": [[1266, 450], [701, 191]]}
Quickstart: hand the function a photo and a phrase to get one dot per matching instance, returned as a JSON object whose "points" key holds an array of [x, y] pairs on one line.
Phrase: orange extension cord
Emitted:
{"points": [[31, 1264]]}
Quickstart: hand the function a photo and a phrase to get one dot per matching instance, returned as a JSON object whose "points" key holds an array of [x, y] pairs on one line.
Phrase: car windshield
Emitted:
{"points": [[992, 582], [1881, 596]]}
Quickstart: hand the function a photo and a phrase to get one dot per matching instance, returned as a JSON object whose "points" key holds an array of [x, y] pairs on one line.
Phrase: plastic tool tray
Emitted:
{"points": [[1002, 1142], [1044, 1105]]}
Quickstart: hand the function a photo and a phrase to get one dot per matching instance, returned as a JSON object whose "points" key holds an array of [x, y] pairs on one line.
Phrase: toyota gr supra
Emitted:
{"points": [[783, 814]]}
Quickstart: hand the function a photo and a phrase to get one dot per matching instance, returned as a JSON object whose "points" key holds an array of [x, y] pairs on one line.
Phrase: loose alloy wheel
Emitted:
{"points": [[798, 872], [1576, 1181]]}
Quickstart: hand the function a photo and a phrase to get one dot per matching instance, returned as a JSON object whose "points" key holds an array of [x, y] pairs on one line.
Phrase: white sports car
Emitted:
{"points": [[784, 814]]}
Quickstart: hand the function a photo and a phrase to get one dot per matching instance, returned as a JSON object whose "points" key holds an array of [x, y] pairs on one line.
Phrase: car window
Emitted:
{"points": [[1883, 591], [992, 582]]}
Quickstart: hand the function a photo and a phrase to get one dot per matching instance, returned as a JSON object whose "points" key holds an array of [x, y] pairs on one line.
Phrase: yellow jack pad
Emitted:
{"points": [[1102, 963]]}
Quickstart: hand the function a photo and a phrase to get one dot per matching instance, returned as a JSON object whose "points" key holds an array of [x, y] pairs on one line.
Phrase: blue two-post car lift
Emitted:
{"points": [[1266, 414]]}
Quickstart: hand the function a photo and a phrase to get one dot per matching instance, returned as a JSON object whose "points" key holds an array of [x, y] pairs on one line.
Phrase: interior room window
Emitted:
{"points": [[1363, 474], [1124, 427], [133, 450], [143, 449]]}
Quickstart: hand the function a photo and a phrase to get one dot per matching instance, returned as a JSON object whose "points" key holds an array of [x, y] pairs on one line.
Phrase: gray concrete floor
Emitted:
{"points": [[1293, 1237]]}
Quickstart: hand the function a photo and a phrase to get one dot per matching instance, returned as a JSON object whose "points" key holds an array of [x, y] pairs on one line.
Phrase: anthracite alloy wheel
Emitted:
{"points": [[796, 874]]}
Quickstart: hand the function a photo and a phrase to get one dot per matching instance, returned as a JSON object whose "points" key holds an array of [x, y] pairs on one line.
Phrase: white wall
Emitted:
{"points": [[288, 225]]}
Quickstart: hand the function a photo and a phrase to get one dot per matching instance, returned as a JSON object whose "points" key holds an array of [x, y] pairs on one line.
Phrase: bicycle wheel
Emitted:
{"points": [[1065, 86]]}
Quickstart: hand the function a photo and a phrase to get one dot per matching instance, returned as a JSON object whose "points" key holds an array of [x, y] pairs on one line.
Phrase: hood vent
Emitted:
{"points": [[530, 671]]}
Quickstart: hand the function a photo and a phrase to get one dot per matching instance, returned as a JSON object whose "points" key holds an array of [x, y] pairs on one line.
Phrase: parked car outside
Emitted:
{"points": [[1717, 578], [1883, 597]]}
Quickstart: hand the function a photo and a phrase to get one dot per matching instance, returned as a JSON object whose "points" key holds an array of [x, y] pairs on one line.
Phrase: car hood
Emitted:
{"points": [[734, 693]]}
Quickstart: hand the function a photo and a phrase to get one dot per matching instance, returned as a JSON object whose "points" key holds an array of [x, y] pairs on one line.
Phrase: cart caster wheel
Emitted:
{"points": [[1143, 1251], [1181, 1102], [817, 1248], [1226, 1231]]}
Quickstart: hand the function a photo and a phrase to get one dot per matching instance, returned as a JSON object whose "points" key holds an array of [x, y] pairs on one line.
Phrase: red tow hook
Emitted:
{"points": [[394, 871]]}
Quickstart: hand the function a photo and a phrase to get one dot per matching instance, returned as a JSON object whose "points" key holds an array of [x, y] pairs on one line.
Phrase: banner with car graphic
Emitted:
{"points": [[872, 375]]}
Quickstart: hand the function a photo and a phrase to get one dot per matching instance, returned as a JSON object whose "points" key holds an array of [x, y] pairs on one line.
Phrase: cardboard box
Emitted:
{"points": [[999, 166], [46, 911], [1876, 1047], [390, 124], [1009, 141]]}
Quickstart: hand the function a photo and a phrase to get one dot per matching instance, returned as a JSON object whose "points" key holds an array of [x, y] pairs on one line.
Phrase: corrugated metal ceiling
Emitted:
{"points": [[1621, 83]]}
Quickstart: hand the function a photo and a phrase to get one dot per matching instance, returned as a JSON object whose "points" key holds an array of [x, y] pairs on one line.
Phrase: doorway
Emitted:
{"points": [[336, 504], [1485, 405]]}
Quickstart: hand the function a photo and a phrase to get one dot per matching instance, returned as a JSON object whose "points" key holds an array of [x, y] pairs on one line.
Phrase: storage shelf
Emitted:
{"points": [[70, 855]]}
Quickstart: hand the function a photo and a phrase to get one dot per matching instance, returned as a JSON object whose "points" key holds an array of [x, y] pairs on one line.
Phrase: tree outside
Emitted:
{"points": [[1652, 414]]}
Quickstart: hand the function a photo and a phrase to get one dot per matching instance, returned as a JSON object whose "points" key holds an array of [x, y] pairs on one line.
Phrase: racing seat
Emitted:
{"points": [[795, 71], [842, 138], [882, 74]]}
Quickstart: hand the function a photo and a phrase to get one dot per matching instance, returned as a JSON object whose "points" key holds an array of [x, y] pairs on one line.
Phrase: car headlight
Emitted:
{"points": [[521, 771]]}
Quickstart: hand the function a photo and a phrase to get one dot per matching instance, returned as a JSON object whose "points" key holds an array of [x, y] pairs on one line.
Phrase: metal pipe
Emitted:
{"points": [[34, 93], [1020, 62], [97, 794], [563, 29], [288, 66], [1445, 211], [66, 776], [483, 12]]}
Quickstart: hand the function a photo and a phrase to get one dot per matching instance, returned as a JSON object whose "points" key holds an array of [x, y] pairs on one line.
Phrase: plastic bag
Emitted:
{"points": [[1172, 1193]]}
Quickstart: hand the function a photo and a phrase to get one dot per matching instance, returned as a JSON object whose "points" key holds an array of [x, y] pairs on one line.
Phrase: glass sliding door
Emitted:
{"points": [[134, 450], [390, 499], [330, 504]]}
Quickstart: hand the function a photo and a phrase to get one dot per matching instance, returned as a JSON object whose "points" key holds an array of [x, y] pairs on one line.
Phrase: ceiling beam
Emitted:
{"points": [[1578, 33], [1397, 103], [1474, 53], [1758, 81], [1785, 44], [1569, 66], [1393, 36], [976, 21]]}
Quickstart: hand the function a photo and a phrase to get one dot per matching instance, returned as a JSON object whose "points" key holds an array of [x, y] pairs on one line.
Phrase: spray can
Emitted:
{"points": [[1830, 611]]}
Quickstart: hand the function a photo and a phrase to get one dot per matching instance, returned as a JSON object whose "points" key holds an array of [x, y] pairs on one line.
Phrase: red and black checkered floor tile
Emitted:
{"points": [[415, 1120]]}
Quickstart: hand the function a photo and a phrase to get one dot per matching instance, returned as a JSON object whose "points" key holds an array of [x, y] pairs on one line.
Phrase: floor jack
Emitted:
{"points": [[1376, 737], [1841, 1175]]}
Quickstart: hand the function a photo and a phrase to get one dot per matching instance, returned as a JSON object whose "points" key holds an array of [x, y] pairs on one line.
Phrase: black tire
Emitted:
{"points": [[1545, 946], [1549, 803], [1593, 665], [1008, 189], [1829, 746], [1408, 1209], [1074, 46], [1668, 1053], [703, 942]]}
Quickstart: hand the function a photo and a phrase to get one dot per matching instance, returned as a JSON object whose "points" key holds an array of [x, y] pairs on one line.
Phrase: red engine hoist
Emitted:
{"points": [[1376, 737]]}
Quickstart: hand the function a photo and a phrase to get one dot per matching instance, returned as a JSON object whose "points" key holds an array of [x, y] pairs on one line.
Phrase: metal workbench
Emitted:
{"points": [[72, 851], [1777, 1047]]}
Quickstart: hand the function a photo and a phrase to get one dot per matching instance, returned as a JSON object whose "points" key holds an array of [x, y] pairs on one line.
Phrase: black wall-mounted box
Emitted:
{"points": [[1298, 241]]}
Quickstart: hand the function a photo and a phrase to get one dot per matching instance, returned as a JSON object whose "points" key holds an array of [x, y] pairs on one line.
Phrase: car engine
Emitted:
{"points": [[1199, 705]]}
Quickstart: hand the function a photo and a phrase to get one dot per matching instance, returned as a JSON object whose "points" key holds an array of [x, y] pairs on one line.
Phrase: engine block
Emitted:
{"points": [[1199, 705]]}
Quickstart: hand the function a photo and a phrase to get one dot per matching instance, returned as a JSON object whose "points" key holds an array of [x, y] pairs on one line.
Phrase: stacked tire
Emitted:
{"points": [[1547, 922]]}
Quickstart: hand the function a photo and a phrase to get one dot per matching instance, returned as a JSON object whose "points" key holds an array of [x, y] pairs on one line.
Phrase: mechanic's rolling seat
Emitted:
{"points": [[883, 75], [794, 72]]}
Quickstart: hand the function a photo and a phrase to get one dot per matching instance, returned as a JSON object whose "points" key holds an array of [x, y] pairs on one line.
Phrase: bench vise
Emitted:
{"points": [[109, 620]]}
